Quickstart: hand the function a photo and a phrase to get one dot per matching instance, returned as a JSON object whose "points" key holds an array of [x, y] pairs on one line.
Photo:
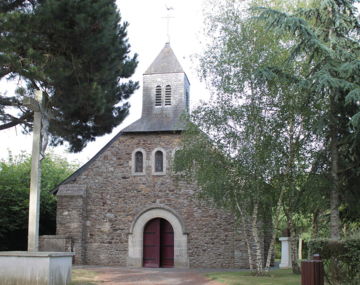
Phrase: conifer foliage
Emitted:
{"points": [[77, 53], [326, 36]]}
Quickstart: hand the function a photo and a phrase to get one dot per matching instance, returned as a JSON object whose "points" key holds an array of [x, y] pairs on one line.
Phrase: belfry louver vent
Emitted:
{"points": [[158, 96], [167, 95]]}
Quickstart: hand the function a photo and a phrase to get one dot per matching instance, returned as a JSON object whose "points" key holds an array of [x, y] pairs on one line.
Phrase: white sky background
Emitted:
{"points": [[147, 33]]}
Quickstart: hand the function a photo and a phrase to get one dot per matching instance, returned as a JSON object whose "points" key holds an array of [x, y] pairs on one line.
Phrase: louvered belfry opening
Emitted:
{"points": [[158, 245], [167, 95], [158, 96], [164, 87]]}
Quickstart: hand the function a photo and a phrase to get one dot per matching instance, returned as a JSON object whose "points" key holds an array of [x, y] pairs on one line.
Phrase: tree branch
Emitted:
{"points": [[16, 121], [9, 101]]}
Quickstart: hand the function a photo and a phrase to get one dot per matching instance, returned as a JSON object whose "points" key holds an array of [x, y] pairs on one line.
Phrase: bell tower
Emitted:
{"points": [[165, 95]]}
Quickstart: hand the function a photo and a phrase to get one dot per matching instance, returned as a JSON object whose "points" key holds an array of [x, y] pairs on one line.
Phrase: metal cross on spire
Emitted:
{"points": [[168, 17]]}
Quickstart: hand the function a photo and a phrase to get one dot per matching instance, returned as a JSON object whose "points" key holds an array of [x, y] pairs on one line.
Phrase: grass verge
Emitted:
{"points": [[276, 277], [83, 277]]}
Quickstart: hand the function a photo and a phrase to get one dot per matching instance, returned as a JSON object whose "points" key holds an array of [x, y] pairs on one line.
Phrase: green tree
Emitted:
{"points": [[14, 197], [326, 36], [77, 53], [256, 145]]}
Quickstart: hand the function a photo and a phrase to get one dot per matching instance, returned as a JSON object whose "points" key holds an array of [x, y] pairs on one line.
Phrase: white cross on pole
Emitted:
{"points": [[34, 202]]}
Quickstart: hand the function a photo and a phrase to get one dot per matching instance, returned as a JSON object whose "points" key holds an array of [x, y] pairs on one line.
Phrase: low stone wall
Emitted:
{"points": [[57, 243], [35, 268]]}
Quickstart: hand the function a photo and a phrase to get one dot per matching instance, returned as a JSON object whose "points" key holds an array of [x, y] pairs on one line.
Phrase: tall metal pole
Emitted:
{"points": [[168, 17], [35, 180]]}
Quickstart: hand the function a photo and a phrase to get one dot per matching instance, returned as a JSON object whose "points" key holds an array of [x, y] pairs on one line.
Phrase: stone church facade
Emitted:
{"points": [[127, 207]]}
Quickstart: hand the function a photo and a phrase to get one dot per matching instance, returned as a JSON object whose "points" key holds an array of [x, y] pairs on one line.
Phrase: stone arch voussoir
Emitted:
{"points": [[135, 238]]}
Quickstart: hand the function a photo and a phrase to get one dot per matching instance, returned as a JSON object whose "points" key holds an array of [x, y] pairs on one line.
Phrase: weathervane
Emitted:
{"points": [[168, 17]]}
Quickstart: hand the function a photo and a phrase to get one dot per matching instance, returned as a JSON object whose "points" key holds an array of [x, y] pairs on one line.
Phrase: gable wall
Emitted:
{"points": [[114, 197]]}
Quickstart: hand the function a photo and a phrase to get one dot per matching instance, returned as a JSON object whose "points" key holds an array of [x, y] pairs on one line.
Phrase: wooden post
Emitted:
{"points": [[35, 180]]}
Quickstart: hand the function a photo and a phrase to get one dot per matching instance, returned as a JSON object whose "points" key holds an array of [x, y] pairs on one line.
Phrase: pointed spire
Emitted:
{"points": [[164, 72], [165, 62]]}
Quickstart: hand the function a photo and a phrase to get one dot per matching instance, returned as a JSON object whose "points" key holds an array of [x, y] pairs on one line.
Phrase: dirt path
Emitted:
{"points": [[147, 276]]}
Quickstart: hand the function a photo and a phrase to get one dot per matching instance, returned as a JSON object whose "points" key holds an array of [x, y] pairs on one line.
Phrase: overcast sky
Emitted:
{"points": [[147, 33]]}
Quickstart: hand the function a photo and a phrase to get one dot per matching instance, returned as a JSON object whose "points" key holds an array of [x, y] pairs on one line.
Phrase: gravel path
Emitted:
{"points": [[147, 276]]}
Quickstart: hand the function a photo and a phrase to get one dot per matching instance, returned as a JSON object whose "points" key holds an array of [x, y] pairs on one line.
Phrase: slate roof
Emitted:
{"points": [[165, 62], [163, 124], [169, 118]]}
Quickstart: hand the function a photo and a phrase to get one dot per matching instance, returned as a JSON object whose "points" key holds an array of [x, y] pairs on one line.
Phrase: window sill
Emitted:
{"points": [[159, 173], [138, 174]]}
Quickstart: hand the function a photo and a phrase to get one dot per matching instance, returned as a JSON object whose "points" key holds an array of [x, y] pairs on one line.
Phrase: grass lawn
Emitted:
{"points": [[277, 277], [83, 277]]}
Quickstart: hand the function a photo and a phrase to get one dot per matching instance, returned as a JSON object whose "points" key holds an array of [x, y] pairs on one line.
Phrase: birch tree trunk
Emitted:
{"points": [[255, 233], [293, 248], [275, 226], [300, 249], [246, 235]]}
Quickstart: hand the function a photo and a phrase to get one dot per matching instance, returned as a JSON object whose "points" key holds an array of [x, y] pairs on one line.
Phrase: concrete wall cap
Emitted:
{"points": [[72, 190], [55, 236], [36, 254]]}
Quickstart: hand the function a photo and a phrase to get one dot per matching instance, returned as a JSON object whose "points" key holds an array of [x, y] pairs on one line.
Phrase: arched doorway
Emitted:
{"points": [[158, 244], [136, 236]]}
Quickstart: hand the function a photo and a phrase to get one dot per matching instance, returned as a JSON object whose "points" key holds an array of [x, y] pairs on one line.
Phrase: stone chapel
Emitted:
{"points": [[126, 207]]}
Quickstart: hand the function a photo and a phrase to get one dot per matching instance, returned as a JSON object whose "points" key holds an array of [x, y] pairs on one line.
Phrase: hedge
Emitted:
{"points": [[341, 260]]}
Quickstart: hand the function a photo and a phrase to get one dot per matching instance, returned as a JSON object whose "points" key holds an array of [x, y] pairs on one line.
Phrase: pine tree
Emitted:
{"points": [[77, 53]]}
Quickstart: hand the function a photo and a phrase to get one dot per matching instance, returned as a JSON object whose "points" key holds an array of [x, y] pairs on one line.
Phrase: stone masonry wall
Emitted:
{"points": [[71, 217], [115, 197]]}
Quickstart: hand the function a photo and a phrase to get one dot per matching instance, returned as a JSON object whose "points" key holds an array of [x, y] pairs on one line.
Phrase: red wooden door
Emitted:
{"points": [[158, 250], [151, 247], [166, 244]]}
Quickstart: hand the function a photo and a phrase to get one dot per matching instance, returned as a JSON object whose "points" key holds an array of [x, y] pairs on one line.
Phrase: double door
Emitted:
{"points": [[158, 247]]}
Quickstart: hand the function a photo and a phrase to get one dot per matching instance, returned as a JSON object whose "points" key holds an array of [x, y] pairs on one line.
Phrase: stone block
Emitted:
{"points": [[35, 268], [57, 243]]}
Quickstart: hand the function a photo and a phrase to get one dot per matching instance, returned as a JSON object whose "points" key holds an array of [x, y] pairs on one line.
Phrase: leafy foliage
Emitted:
{"points": [[76, 52], [325, 37], [251, 146], [14, 198], [341, 260]]}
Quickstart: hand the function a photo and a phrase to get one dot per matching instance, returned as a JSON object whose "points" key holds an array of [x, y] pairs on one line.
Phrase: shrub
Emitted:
{"points": [[14, 197], [341, 260]]}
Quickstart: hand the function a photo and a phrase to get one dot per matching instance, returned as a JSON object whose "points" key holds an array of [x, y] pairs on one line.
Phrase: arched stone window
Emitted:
{"points": [[158, 96], [167, 95], [159, 161], [139, 162]]}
